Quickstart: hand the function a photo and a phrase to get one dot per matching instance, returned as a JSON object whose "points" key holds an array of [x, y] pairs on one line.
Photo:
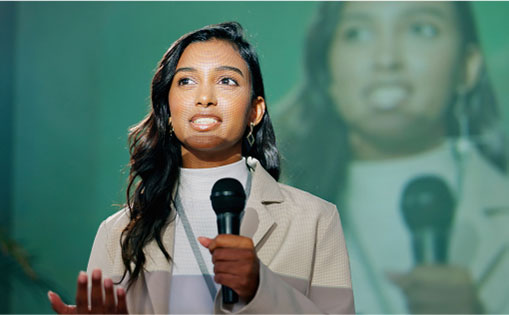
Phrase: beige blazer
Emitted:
{"points": [[298, 238]]}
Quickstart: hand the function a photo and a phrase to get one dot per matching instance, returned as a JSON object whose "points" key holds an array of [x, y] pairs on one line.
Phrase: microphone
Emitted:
{"points": [[428, 207], [228, 200]]}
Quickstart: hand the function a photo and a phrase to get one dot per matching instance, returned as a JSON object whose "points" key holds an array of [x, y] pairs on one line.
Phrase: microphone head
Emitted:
{"points": [[228, 196], [428, 202]]}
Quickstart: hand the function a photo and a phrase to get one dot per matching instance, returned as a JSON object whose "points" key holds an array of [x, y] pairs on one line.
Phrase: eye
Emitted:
{"points": [[426, 30], [357, 34], [228, 81], [185, 81]]}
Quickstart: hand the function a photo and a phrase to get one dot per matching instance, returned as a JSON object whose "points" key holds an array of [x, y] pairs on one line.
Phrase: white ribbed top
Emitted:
{"points": [[189, 292]]}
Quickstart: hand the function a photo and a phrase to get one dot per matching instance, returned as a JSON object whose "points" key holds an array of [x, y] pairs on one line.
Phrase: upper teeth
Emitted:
{"points": [[204, 121], [388, 97]]}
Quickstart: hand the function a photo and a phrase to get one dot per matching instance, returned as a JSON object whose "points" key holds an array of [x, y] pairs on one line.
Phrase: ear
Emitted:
{"points": [[257, 110], [473, 65]]}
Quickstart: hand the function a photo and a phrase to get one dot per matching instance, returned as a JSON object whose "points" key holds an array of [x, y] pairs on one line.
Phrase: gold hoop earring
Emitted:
{"points": [[250, 137], [171, 126]]}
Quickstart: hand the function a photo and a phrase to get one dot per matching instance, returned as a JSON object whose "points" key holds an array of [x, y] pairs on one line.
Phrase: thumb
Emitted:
{"points": [[204, 241], [59, 306]]}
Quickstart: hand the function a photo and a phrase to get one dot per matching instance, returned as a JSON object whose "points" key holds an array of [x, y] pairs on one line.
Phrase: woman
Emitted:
{"points": [[394, 92], [209, 121]]}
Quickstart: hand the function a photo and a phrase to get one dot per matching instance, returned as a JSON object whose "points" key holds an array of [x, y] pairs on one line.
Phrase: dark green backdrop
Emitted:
{"points": [[75, 76]]}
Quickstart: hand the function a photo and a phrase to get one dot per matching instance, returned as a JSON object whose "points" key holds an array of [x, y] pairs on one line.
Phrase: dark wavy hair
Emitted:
{"points": [[156, 154], [307, 119]]}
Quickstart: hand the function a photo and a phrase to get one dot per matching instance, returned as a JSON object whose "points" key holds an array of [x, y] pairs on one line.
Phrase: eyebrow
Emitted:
{"points": [[412, 11], [424, 10], [220, 68]]}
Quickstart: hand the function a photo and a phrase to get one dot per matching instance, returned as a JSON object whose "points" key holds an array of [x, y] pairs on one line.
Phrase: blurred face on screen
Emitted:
{"points": [[395, 68], [210, 100]]}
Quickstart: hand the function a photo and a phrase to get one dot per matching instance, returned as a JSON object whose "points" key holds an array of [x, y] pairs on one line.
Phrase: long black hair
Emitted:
{"points": [[315, 138], [156, 153]]}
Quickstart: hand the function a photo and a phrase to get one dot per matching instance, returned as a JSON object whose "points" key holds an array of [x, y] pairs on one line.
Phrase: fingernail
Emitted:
{"points": [[203, 240], [50, 295], [82, 277]]}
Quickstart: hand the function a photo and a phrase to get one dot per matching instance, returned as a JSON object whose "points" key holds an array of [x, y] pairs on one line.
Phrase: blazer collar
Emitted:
{"points": [[258, 221], [264, 188]]}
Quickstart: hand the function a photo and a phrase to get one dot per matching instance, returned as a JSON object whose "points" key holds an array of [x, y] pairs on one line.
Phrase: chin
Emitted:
{"points": [[206, 143]]}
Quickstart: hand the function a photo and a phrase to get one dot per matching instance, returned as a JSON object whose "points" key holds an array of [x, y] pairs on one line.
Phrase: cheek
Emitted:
{"points": [[349, 74], [236, 120], [436, 78], [179, 109]]}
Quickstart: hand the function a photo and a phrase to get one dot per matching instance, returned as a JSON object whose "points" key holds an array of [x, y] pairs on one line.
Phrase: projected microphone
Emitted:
{"points": [[428, 207], [228, 200]]}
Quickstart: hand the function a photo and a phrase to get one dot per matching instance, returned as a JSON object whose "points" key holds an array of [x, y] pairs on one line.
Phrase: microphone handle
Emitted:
{"points": [[430, 246], [228, 223]]}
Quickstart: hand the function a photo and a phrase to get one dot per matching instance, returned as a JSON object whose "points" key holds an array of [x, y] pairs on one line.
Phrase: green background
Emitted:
{"points": [[75, 76]]}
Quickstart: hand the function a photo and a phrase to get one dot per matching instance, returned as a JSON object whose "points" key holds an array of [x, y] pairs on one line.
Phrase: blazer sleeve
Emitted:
{"points": [[330, 289]]}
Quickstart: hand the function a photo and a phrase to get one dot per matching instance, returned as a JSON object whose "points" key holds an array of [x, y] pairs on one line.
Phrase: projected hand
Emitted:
{"points": [[436, 289], [99, 304]]}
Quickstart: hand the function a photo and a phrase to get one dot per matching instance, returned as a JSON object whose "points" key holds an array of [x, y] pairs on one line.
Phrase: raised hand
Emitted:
{"points": [[235, 263], [99, 304]]}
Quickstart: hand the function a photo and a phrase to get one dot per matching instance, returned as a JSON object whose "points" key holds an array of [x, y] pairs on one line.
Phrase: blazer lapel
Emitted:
{"points": [[257, 222]]}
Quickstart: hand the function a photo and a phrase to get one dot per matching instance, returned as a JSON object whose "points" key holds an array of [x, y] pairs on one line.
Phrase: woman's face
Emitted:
{"points": [[395, 67], [210, 100]]}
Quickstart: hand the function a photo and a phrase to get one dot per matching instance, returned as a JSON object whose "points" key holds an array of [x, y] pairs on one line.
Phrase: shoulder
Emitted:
{"points": [[112, 226], [304, 199], [266, 190], [306, 208], [484, 181]]}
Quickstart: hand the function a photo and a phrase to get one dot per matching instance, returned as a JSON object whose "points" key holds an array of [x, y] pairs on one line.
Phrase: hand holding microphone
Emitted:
{"points": [[236, 265], [433, 286]]}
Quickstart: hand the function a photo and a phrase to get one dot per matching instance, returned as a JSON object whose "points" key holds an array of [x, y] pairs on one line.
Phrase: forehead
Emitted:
{"points": [[212, 53], [392, 11]]}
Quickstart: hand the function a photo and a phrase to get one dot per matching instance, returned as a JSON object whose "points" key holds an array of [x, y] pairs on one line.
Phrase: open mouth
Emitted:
{"points": [[204, 123], [387, 96]]}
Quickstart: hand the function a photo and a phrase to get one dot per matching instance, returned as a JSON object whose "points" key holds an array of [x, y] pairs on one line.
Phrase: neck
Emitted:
{"points": [[374, 149], [193, 159]]}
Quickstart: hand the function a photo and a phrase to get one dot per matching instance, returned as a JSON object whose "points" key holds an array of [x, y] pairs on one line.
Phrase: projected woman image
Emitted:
{"points": [[209, 121], [397, 123]]}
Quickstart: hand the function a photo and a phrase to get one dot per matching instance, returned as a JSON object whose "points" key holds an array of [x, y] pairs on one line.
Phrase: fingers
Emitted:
{"points": [[82, 294], [230, 241], [235, 263], [233, 254], [58, 306], [109, 298], [99, 305], [435, 288], [122, 302], [97, 292], [244, 286], [229, 280]]}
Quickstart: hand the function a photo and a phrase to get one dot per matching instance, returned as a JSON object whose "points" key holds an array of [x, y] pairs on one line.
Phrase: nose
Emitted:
{"points": [[388, 53], [206, 96]]}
